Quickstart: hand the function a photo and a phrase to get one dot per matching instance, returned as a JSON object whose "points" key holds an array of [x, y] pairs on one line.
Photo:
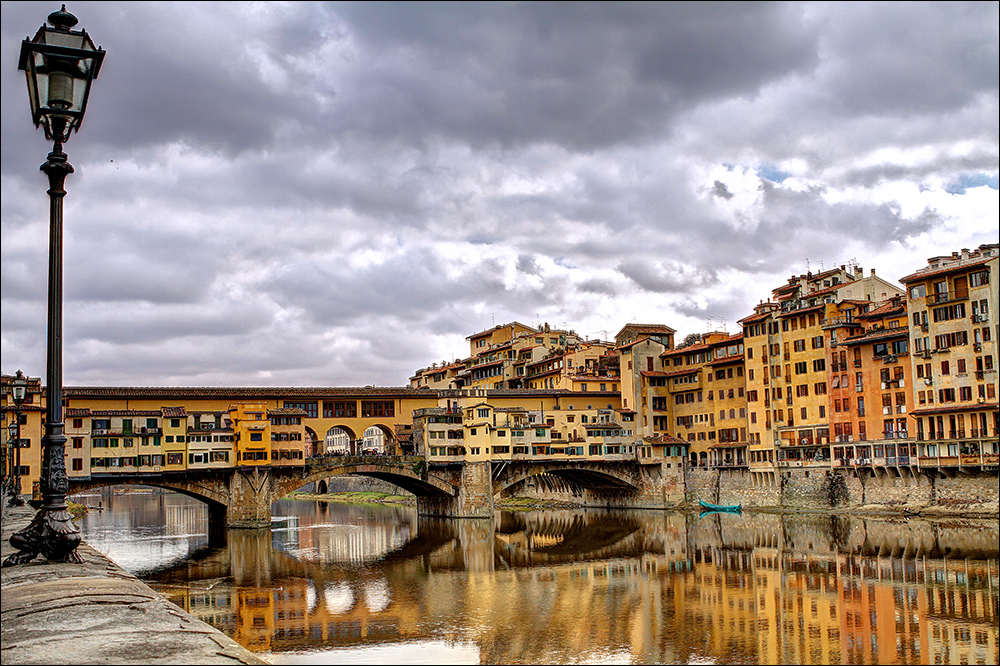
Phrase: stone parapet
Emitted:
{"points": [[97, 613]]}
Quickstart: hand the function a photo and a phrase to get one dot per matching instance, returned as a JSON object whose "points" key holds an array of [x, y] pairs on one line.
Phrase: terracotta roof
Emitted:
{"points": [[499, 328], [699, 346], [801, 311], [646, 328], [663, 439], [637, 341], [595, 426], [951, 267], [754, 318], [681, 373], [726, 359], [889, 307], [174, 411], [874, 336], [287, 411]]}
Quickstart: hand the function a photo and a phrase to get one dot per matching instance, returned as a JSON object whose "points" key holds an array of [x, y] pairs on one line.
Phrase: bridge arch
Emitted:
{"points": [[214, 497], [421, 485], [593, 477]]}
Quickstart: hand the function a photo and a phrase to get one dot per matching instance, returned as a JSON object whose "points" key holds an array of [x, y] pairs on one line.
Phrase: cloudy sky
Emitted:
{"points": [[337, 194]]}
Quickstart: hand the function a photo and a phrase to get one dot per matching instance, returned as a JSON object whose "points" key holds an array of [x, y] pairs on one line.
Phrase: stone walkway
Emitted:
{"points": [[96, 613]]}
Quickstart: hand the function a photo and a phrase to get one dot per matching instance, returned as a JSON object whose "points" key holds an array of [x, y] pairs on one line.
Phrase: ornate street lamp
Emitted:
{"points": [[14, 488], [18, 389], [60, 64]]}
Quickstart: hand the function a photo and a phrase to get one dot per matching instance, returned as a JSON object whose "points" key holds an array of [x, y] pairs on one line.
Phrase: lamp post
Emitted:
{"points": [[60, 64], [18, 389]]}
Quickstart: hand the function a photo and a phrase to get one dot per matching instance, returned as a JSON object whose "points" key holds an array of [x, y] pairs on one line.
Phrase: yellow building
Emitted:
{"points": [[289, 444], [251, 434], [700, 397], [175, 421], [954, 325], [788, 380]]}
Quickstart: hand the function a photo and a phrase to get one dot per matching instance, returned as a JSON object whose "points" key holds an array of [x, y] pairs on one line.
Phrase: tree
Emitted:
{"points": [[689, 339]]}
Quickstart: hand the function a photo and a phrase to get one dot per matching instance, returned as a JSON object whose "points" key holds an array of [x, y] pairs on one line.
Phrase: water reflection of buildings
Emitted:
{"points": [[768, 589]]}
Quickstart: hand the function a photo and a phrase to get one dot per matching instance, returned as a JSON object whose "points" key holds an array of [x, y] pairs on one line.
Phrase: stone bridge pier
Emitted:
{"points": [[473, 496]]}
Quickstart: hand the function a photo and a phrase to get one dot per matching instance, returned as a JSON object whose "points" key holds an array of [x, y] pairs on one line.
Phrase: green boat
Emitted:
{"points": [[732, 508]]}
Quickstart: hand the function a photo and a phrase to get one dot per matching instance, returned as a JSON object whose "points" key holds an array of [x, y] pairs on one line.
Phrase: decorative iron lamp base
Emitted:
{"points": [[51, 534]]}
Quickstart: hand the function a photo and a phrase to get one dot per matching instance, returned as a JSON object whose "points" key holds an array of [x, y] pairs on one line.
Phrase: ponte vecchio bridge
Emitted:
{"points": [[241, 497]]}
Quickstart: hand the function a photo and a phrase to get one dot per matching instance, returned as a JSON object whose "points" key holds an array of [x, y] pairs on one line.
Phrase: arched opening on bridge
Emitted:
{"points": [[374, 441], [338, 441], [313, 445], [546, 486], [103, 495], [565, 483]]}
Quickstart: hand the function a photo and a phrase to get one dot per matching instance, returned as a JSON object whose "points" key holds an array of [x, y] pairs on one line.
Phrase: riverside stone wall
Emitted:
{"points": [[824, 489], [741, 485], [968, 492]]}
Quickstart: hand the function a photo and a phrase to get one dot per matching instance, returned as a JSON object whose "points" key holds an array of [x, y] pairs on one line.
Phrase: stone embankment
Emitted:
{"points": [[972, 495], [96, 613]]}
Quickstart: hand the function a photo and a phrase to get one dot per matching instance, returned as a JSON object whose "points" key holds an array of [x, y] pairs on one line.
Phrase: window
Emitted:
{"points": [[340, 410], [310, 408], [801, 368], [949, 312], [256, 437], [376, 408]]}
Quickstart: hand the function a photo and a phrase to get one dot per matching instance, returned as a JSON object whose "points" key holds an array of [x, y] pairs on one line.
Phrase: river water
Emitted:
{"points": [[336, 583]]}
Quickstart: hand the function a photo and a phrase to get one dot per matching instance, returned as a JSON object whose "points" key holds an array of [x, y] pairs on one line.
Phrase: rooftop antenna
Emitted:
{"points": [[808, 270]]}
